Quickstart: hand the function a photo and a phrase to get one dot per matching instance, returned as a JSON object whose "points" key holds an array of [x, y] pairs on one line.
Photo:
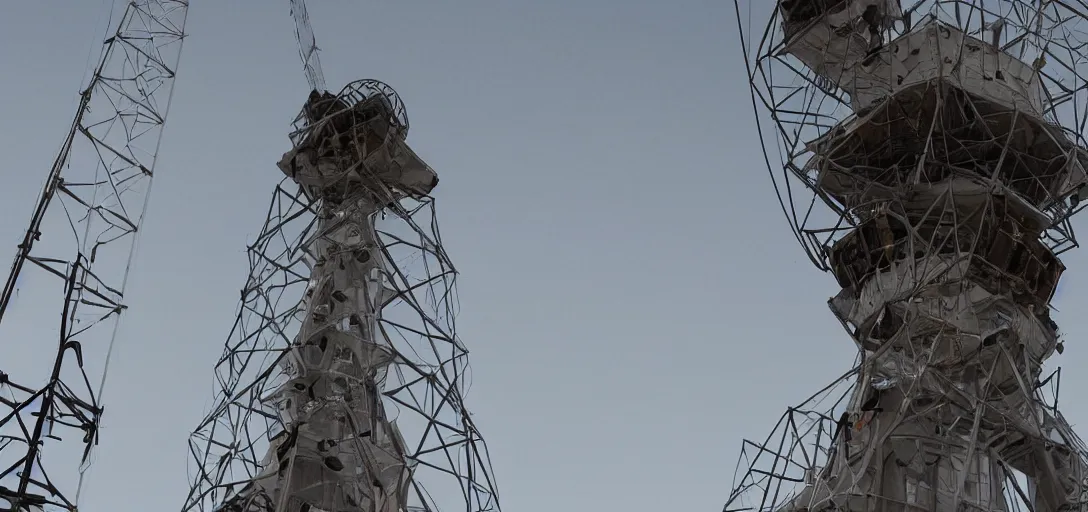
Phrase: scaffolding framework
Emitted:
{"points": [[74, 261], [341, 384], [929, 155]]}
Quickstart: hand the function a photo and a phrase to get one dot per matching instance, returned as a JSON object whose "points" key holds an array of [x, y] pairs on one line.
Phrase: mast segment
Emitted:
{"points": [[74, 261], [341, 386], [933, 155], [307, 46]]}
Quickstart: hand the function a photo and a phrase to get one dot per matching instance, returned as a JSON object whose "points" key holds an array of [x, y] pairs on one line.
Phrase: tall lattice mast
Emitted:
{"points": [[943, 140], [74, 261], [341, 385]]}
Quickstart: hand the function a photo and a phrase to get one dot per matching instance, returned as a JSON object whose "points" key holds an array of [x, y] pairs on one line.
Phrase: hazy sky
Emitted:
{"points": [[633, 301]]}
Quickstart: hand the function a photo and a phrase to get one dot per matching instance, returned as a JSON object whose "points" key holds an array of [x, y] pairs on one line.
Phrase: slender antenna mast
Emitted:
{"points": [[341, 385], [81, 243], [307, 46]]}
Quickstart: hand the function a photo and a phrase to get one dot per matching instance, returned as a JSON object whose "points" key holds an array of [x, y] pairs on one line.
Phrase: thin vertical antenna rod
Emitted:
{"points": [[307, 46], [73, 262]]}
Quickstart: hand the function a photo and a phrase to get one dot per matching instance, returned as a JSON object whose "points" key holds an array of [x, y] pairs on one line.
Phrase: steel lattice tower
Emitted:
{"points": [[75, 259], [944, 143], [341, 385]]}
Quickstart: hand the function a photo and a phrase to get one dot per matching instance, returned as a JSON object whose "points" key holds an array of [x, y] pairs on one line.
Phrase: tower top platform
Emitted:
{"points": [[869, 70], [939, 51], [830, 37], [354, 142], [884, 151]]}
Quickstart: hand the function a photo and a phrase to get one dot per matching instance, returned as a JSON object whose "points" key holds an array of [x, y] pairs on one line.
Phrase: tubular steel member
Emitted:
{"points": [[949, 183], [319, 410], [62, 301]]}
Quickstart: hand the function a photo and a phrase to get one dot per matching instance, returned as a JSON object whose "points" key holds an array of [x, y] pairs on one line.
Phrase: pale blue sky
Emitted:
{"points": [[632, 299]]}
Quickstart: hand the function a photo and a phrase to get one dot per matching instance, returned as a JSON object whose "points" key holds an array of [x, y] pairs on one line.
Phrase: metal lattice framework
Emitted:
{"points": [[929, 155], [72, 266], [309, 349], [770, 471]]}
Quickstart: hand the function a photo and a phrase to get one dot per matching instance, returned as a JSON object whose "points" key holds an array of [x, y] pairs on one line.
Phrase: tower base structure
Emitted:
{"points": [[946, 176]]}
